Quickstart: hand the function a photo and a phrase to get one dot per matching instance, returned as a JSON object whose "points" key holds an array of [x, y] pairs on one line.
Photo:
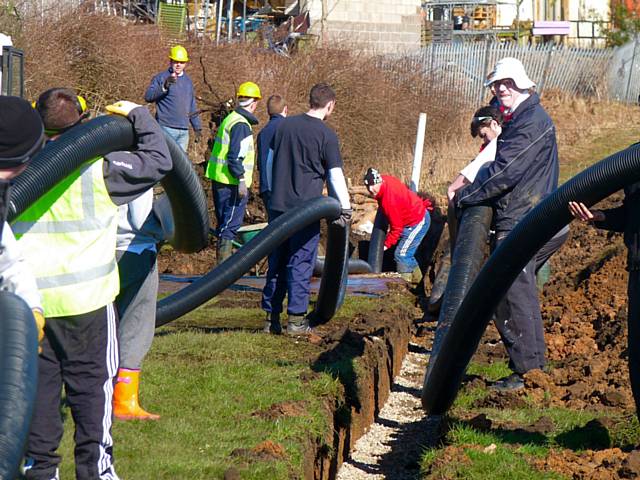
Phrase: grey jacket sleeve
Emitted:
{"points": [[129, 174]]}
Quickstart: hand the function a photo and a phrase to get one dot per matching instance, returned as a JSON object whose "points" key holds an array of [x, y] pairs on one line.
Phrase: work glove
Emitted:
{"points": [[170, 80], [242, 189], [39, 317], [198, 136], [344, 220], [122, 107]]}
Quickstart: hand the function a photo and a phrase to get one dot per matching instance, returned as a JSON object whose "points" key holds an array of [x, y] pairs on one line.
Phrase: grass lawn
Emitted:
{"points": [[577, 158], [214, 378]]}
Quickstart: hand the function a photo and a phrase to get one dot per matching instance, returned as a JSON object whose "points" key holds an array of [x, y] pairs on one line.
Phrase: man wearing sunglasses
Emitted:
{"points": [[524, 172]]}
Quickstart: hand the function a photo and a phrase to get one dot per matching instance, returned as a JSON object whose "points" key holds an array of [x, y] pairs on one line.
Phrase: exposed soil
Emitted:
{"points": [[283, 409]]}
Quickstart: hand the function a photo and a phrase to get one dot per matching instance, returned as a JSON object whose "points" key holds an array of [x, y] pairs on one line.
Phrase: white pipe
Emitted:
{"points": [[230, 21], [219, 20], [417, 154]]}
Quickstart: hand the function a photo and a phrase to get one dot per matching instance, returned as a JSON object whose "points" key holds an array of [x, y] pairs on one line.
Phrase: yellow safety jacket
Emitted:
{"points": [[69, 240], [218, 168]]}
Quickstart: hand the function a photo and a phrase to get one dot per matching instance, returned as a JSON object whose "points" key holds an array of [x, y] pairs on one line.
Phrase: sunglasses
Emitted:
{"points": [[507, 82]]}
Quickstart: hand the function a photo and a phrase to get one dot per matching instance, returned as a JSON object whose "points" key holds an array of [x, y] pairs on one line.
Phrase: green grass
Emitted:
{"points": [[586, 154], [475, 464], [208, 374], [206, 387], [514, 444], [490, 371]]}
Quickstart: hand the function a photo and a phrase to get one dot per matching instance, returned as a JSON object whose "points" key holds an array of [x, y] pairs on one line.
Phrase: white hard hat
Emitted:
{"points": [[512, 68]]}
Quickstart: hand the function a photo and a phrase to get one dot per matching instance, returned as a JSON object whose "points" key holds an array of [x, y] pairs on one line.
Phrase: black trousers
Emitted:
{"points": [[518, 317], [81, 353], [633, 321]]}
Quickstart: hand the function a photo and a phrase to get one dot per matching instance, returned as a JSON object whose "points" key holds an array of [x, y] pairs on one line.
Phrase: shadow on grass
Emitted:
{"points": [[517, 436], [339, 362], [593, 436], [173, 329]]}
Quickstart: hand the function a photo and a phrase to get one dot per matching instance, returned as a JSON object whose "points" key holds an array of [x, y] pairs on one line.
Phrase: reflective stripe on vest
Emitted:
{"points": [[68, 238], [218, 168]]}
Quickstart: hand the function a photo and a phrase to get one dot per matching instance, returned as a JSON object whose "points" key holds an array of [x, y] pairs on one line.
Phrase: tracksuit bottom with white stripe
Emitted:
{"points": [[81, 353], [229, 209], [410, 240]]}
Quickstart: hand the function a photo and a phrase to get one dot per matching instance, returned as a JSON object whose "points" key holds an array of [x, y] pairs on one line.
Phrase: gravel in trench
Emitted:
{"points": [[392, 446]]}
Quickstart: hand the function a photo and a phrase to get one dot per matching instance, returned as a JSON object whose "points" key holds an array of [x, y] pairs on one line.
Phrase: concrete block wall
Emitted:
{"points": [[379, 25]]}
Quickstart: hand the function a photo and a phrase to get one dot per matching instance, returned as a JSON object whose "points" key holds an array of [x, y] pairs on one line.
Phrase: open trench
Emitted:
{"points": [[385, 430], [584, 314]]}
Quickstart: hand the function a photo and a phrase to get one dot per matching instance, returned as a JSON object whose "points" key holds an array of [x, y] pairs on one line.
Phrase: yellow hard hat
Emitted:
{"points": [[249, 89], [178, 54]]}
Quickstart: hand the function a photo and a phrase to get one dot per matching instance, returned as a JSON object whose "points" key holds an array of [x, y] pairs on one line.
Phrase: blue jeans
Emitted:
{"points": [[180, 135], [410, 240]]}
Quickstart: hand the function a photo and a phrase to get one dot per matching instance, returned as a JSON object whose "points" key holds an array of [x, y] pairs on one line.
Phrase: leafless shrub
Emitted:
{"points": [[107, 58]]}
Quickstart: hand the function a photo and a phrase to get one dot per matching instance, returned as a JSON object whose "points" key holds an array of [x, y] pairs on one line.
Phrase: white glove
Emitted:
{"points": [[122, 107], [242, 188]]}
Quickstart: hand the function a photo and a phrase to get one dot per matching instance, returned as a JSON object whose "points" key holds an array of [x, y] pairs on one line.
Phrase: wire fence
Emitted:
{"points": [[460, 69]]}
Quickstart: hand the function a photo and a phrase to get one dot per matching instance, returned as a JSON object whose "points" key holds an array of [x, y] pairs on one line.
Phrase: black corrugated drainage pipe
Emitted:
{"points": [[530, 234], [468, 256], [18, 380], [440, 282], [376, 244], [356, 266], [333, 284], [98, 137], [225, 274]]}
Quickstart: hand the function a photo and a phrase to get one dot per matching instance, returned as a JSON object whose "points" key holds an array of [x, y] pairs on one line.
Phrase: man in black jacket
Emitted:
{"points": [[625, 218], [524, 172]]}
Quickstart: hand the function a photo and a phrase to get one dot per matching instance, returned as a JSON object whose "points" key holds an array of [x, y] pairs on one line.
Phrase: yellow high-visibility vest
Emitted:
{"points": [[69, 240], [218, 168]]}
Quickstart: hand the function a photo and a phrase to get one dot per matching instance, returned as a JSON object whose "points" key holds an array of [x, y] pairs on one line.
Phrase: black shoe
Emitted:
{"points": [[513, 382]]}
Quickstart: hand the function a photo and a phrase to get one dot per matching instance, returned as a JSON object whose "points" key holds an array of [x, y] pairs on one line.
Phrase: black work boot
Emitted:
{"points": [[513, 382], [272, 324], [225, 250], [298, 325]]}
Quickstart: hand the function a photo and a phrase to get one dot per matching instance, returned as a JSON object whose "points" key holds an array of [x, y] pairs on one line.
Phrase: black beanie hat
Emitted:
{"points": [[21, 131]]}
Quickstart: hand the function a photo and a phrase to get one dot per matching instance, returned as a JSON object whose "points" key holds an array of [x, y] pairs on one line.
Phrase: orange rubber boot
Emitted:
{"points": [[125, 397]]}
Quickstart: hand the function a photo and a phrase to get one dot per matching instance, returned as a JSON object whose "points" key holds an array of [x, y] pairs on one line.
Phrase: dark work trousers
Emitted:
{"points": [[136, 304], [518, 317], [229, 209], [266, 197], [290, 269], [81, 353], [633, 321]]}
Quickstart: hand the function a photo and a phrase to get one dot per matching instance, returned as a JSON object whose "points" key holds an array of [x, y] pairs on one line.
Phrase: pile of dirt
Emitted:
{"points": [[607, 464]]}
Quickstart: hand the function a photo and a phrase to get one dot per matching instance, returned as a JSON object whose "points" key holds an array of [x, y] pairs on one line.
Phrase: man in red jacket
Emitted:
{"points": [[408, 217]]}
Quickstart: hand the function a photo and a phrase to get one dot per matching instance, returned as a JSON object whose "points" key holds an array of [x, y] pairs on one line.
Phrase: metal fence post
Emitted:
{"points": [[485, 67], [633, 61], [545, 71]]}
